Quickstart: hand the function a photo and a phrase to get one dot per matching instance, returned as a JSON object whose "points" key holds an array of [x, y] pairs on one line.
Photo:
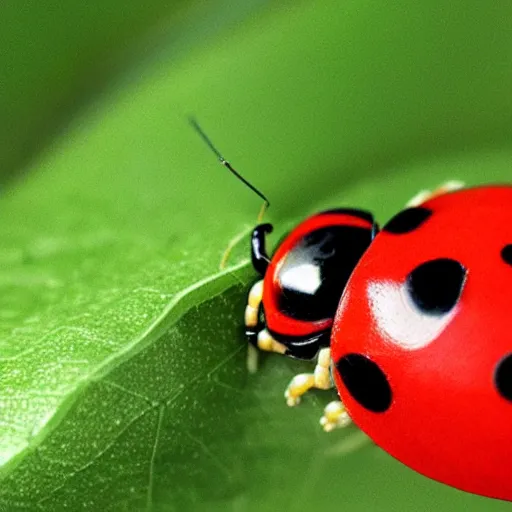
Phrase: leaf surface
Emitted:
{"points": [[122, 359]]}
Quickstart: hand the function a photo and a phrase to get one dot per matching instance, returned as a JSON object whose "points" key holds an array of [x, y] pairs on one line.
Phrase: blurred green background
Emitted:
{"points": [[122, 361]]}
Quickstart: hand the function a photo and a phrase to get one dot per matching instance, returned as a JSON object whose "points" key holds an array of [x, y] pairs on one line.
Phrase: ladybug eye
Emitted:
{"points": [[414, 314]]}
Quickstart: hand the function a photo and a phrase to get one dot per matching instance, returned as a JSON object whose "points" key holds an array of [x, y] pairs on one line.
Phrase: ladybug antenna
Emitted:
{"points": [[226, 164]]}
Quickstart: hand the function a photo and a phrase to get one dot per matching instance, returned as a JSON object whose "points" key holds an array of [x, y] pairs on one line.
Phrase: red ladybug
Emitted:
{"points": [[421, 342]]}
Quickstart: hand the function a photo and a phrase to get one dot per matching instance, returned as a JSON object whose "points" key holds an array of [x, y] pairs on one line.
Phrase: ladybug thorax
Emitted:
{"points": [[310, 278]]}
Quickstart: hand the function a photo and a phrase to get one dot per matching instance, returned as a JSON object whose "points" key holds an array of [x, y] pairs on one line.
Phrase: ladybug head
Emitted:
{"points": [[421, 341], [307, 274]]}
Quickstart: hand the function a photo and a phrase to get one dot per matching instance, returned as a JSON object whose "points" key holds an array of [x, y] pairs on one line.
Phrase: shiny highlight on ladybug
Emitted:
{"points": [[411, 323]]}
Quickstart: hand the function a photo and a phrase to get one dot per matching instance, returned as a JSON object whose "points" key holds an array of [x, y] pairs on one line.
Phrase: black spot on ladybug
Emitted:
{"points": [[506, 254], [435, 286], [365, 381], [407, 220], [503, 377]]}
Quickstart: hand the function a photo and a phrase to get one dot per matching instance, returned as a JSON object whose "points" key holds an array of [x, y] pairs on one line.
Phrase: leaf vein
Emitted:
{"points": [[161, 413]]}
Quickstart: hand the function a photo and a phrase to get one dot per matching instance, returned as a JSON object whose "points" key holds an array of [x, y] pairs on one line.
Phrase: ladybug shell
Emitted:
{"points": [[330, 243], [422, 340]]}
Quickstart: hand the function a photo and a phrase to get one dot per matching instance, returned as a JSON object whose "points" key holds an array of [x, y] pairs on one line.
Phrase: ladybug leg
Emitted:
{"points": [[335, 416], [264, 340], [252, 310], [425, 195], [269, 344], [320, 379]]}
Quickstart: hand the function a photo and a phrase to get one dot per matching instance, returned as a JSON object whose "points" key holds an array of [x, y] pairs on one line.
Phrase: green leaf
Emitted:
{"points": [[123, 381]]}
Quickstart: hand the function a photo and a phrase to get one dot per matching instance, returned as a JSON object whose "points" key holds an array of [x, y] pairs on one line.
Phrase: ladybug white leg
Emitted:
{"points": [[253, 304], [424, 195], [264, 340], [320, 379], [335, 416], [269, 344]]}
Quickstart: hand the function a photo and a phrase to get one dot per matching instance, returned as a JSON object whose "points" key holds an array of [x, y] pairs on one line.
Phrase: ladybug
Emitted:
{"points": [[409, 322], [421, 341]]}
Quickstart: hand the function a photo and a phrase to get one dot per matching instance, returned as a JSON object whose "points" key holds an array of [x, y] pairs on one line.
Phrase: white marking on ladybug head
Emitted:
{"points": [[399, 320], [303, 278]]}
